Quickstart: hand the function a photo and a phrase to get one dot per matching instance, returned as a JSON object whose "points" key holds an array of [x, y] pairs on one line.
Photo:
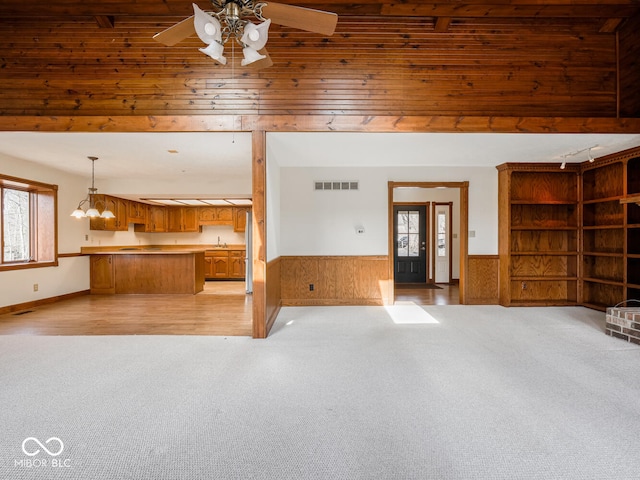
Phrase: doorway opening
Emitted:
{"points": [[410, 243], [427, 265]]}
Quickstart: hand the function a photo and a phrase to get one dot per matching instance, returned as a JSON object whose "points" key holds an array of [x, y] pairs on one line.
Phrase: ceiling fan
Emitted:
{"points": [[230, 20]]}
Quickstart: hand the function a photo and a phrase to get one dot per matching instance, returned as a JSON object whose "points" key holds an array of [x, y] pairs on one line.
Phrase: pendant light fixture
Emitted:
{"points": [[92, 211]]}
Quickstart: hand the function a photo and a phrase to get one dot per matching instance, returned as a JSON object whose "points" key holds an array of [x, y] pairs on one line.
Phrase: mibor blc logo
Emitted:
{"points": [[52, 447], [27, 442]]}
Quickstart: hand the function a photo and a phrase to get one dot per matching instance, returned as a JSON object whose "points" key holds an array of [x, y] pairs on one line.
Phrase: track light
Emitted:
{"points": [[564, 162]]}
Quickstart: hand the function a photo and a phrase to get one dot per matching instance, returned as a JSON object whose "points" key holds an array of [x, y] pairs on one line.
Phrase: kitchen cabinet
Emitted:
{"points": [[119, 208], [156, 220], [224, 264], [136, 212], [208, 266], [219, 263], [102, 274], [237, 264], [240, 218], [146, 271], [215, 215], [182, 219]]}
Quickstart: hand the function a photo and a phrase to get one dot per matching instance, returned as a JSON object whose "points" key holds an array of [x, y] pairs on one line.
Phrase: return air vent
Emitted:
{"points": [[336, 185]]}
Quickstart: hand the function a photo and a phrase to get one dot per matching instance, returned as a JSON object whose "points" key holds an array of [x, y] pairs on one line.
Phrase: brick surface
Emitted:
{"points": [[623, 323]]}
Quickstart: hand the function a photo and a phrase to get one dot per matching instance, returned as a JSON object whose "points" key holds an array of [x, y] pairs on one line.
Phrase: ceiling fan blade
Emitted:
{"points": [[176, 33], [316, 21], [264, 63]]}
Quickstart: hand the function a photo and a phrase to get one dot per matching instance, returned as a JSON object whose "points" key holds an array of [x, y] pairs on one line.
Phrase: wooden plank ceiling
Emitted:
{"points": [[559, 58]]}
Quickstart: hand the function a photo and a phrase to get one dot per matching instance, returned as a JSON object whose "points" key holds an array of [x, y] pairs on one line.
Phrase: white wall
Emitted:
{"points": [[273, 207], [323, 222], [72, 274]]}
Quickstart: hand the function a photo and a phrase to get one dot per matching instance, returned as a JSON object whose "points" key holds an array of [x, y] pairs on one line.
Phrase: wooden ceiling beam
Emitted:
{"points": [[319, 123]]}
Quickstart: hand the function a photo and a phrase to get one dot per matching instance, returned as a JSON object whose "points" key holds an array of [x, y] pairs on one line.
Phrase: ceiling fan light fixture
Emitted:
{"points": [[214, 50], [250, 55], [207, 27], [256, 36]]}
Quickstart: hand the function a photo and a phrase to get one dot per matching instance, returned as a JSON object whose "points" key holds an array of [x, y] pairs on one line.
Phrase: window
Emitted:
{"points": [[28, 234], [16, 225], [408, 233], [442, 234]]}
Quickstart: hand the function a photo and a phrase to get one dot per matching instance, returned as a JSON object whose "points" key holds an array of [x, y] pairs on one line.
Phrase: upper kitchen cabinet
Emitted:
{"points": [[182, 219], [215, 215], [136, 212], [240, 218], [119, 208], [156, 220]]}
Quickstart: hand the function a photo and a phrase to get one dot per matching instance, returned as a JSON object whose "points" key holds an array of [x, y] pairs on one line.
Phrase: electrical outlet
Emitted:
{"points": [[86, 238], [35, 287], [311, 287]]}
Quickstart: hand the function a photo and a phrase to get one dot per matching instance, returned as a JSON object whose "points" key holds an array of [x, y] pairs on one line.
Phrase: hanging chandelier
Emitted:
{"points": [[91, 201], [216, 28]]}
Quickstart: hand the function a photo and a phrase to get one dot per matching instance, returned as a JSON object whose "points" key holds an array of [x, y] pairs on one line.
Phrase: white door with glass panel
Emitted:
{"points": [[442, 242]]}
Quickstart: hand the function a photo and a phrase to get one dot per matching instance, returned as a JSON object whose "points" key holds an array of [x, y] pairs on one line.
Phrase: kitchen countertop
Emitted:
{"points": [[156, 249]]}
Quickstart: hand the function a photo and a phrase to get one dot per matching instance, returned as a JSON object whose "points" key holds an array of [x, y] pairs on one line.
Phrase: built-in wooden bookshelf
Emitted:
{"points": [[610, 251], [603, 242], [633, 227], [572, 236], [538, 237]]}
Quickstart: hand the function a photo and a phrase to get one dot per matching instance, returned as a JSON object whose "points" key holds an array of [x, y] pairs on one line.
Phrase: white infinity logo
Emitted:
{"points": [[31, 454]]}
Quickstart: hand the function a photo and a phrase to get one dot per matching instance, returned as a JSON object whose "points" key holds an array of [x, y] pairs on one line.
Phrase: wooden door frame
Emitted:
{"points": [[464, 230], [433, 237], [427, 214]]}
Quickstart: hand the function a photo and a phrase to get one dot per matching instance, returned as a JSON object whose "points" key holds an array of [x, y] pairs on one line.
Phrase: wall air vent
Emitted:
{"points": [[336, 185]]}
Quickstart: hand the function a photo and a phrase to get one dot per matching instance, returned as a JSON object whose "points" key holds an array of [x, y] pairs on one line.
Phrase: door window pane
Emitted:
{"points": [[408, 229], [442, 234], [16, 222]]}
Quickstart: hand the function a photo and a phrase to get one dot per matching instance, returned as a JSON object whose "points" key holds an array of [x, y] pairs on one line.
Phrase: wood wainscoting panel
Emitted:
{"points": [[334, 280], [483, 286]]}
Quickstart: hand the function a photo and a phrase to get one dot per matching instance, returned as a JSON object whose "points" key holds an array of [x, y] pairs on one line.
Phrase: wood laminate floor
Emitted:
{"points": [[445, 295], [223, 308]]}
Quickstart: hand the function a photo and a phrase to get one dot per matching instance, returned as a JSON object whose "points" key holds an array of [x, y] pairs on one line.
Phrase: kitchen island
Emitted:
{"points": [[146, 270]]}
